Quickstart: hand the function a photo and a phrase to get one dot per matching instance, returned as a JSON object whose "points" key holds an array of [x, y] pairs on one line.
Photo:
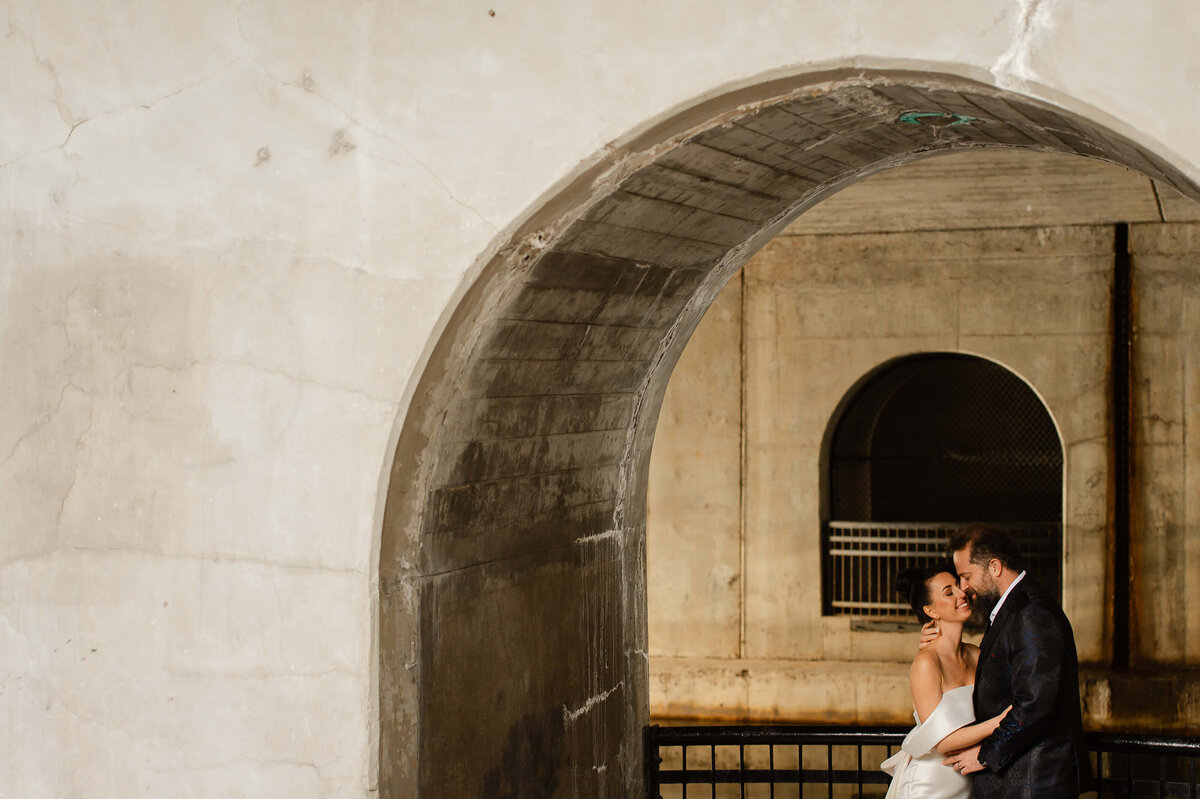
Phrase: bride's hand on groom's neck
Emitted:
{"points": [[929, 634]]}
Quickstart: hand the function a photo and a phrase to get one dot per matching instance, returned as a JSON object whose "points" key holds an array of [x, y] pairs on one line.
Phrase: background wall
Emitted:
{"points": [[233, 233], [1007, 256]]}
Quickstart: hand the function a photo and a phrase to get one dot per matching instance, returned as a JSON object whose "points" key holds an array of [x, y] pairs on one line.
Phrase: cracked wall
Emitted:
{"points": [[235, 233]]}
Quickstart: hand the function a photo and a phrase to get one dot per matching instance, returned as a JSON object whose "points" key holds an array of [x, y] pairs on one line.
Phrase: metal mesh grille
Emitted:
{"points": [[947, 437]]}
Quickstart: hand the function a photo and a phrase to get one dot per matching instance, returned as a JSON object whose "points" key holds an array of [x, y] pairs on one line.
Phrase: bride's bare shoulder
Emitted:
{"points": [[926, 664], [925, 682]]}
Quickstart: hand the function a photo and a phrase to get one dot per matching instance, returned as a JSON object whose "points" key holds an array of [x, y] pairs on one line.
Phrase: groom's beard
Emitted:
{"points": [[981, 608], [986, 597]]}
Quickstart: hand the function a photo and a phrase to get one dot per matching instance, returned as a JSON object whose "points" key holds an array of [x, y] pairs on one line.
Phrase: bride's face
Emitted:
{"points": [[947, 602]]}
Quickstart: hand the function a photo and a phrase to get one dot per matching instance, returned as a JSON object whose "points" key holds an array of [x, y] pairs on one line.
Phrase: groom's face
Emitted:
{"points": [[975, 579]]}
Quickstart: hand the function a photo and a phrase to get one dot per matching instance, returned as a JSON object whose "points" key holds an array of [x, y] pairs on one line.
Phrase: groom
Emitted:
{"points": [[1026, 659]]}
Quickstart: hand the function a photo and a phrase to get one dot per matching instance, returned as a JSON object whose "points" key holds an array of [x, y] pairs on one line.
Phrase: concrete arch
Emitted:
{"points": [[512, 579]]}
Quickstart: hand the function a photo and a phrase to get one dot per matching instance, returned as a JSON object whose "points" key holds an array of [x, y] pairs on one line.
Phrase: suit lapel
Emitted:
{"points": [[1016, 600]]}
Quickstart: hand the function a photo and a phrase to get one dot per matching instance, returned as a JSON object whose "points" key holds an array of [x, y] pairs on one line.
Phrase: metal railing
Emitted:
{"points": [[860, 560], [1141, 765], [778, 762]]}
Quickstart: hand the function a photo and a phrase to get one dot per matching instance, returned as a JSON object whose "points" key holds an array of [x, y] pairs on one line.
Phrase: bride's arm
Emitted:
{"points": [[965, 737], [925, 680]]}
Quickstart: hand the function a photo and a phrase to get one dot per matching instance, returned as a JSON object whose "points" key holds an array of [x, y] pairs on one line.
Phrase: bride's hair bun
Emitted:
{"points": [[912, 585]]}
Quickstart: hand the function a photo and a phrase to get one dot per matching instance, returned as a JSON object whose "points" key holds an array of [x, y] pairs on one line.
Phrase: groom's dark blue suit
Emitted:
{"points": [[1027, 659]]}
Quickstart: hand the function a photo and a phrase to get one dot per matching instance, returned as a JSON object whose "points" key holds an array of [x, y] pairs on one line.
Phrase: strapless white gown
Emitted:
{"points": [[917, 770]]}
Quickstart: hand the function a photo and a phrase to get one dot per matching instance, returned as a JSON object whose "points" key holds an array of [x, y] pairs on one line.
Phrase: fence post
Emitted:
{"points": [[651, 761]]}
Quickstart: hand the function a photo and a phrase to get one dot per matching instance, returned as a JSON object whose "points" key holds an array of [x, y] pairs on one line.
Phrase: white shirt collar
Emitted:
{"points": [[1008, 591]]}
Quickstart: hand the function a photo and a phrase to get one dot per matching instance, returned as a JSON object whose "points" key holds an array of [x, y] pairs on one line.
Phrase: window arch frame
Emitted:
{"points": [[932, 533]]}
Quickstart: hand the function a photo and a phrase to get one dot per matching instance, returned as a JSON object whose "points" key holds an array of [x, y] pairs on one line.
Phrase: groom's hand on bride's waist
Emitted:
{"points": [[966, 761]]}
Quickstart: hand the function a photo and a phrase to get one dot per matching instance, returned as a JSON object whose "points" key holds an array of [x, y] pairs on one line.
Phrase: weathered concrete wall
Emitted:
{"points": [[994, 189], [824, 304], [832, 308], [1166, 530], [235, 233], [695, 494], [823, 311]]}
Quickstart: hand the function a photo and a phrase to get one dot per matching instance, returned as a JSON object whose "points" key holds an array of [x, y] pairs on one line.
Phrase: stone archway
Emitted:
{"points": [[512, 578]]}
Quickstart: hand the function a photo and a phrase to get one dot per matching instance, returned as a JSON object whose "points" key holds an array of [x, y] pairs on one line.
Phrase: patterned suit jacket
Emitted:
{"points": [[1027, 659]]}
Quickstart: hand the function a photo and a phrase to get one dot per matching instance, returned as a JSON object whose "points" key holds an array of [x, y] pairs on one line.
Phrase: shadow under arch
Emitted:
{"points": [[512, 619]]}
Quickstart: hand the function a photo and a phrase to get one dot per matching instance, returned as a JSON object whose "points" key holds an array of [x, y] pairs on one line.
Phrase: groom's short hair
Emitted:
{"points": [[985, 542]]}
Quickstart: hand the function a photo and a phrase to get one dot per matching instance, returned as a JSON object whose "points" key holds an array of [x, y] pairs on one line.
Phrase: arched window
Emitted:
{"points": [[923, 445]]}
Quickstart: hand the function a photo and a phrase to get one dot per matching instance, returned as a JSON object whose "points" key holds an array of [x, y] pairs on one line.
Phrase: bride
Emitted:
{"points": [[942, 679]]}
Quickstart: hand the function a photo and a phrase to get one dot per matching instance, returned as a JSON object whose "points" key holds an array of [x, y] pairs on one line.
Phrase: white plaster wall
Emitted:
{"points": [[232, 232]]}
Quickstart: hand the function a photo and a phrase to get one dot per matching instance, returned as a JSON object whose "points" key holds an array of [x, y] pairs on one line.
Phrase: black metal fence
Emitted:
{"points": [[778, 762]]}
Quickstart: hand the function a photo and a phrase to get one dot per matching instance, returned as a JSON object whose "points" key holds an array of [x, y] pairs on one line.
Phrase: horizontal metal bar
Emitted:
{"points": [[877, 539], [785, 734], [867, 553], [758, 776], [1144, 744], [870, 605], [776, 734], [946, 526]]}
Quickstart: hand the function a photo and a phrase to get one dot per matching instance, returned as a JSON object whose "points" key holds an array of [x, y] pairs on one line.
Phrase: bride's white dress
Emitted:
{"points": [[917, 770]]}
